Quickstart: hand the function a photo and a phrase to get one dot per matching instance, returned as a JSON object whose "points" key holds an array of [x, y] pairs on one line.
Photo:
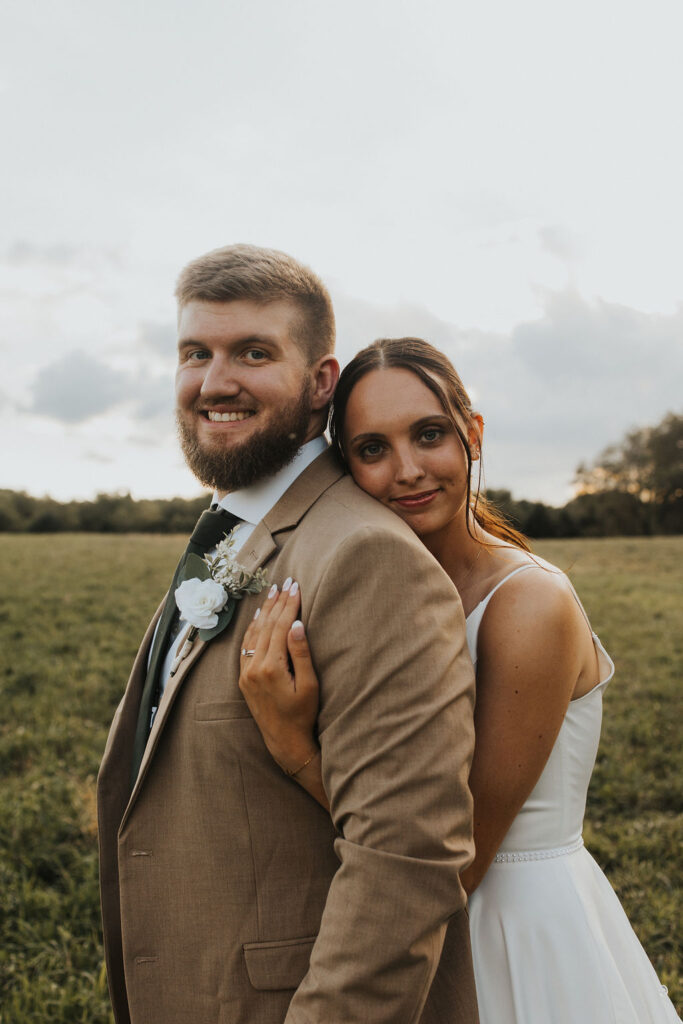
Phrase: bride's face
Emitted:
{"points": [[402, 448]]}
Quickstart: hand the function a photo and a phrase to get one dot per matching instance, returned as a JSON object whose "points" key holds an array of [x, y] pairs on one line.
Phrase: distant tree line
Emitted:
{"points": [[108, 513], [633, 488]]}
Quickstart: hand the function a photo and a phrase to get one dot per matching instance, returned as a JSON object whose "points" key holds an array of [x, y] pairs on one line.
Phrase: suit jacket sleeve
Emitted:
{"points": [[397, 689]]}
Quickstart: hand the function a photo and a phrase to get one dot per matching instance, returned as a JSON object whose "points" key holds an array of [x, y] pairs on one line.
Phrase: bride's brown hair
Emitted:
{"points": [[437, 373]]}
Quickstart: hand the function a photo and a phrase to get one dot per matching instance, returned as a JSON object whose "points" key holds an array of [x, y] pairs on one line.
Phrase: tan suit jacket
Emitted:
{"points": [[229, 896]]}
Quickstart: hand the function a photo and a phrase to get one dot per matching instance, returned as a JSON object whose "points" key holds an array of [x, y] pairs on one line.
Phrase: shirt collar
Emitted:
{"points": [[252, 503]]}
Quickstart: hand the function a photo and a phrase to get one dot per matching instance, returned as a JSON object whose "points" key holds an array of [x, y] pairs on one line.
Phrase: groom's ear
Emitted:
{"points": [[325, 375]]}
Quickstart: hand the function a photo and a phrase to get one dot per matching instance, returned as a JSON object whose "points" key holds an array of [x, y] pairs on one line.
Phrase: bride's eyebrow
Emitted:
{"points": [[364, 437], [435, 418]]}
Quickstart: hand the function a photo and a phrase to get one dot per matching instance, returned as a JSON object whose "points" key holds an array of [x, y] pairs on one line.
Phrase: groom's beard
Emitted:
{"points": [[260, 456]]}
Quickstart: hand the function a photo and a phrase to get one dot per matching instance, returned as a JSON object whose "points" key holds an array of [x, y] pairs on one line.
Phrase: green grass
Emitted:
{"points": [[72, 611]]}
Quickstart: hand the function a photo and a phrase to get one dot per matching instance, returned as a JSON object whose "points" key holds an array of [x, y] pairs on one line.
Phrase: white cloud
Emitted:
{"points": [[161, 338], [560, 242], [98, 457], [77, 387]]}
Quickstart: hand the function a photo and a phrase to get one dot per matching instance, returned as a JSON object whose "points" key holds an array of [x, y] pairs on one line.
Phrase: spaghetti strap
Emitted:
{"points": [[479, 608], [578, 601], [540, 564], [473, 620], [520, 568]]}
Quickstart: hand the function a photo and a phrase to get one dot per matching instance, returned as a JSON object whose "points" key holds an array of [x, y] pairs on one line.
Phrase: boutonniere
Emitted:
{"points": [[208, 598]]}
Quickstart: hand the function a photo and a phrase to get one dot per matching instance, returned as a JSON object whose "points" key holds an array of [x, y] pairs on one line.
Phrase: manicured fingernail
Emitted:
{"points": [[273, 590], [257, 613], [294, 589], [287, 584], [298, 630]]}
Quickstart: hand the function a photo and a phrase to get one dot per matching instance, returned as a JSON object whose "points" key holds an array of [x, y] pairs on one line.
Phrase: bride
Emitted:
{"points": [[550, 941]]}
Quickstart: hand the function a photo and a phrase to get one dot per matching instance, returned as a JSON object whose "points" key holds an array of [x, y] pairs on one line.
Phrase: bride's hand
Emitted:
{"points": [[284, 703]]}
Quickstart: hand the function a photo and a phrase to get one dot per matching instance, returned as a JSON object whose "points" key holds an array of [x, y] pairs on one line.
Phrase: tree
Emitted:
{"points": [[647, 464], [608, 514]]}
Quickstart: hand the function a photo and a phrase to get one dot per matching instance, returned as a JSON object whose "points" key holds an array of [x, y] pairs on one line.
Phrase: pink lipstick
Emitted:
{"points": [[420, 500]]}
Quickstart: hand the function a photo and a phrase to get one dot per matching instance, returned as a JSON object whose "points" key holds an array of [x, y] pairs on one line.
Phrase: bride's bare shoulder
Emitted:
{"points": [[537, 602]]}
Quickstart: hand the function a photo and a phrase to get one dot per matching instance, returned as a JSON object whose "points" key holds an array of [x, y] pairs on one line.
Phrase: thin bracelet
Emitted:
{"points": [[302, 766]]}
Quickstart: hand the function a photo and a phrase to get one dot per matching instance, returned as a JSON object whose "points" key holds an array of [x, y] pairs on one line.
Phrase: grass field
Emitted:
{"points": [[72, 611]]}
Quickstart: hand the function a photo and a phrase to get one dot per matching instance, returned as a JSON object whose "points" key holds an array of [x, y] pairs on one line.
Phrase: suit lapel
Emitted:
{"points": [[304, 492], [161, 718], [258, 550]]}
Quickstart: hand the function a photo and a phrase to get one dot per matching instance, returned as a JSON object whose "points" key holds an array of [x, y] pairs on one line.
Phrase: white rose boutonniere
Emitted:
{"points": [[211, 588], [199, 600]]}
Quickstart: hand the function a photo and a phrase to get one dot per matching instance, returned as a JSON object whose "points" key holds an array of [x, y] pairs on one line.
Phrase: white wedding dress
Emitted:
{"points": [[550, 940]]}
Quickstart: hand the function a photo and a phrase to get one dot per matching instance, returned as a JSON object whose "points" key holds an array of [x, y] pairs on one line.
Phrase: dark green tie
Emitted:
{"points": [[210, 529]]}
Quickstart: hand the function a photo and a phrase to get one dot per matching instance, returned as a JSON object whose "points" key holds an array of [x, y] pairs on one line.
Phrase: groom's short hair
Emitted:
{"points": [[263, 275]]}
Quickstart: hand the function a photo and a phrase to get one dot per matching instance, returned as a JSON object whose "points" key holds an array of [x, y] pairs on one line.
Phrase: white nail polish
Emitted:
{"points": [[273, 590], [257, 613], [287, 584], [294, 589]]}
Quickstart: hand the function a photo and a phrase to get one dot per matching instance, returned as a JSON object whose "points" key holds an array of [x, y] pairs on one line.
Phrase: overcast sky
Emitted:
{"points": [[501, 178]]}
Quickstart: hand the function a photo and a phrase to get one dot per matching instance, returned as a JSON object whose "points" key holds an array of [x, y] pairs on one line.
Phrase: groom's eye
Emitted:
{"points": [[255, 355]]}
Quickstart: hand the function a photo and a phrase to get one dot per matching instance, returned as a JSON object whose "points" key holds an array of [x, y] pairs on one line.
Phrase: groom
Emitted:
{"points": [[228, 895]]}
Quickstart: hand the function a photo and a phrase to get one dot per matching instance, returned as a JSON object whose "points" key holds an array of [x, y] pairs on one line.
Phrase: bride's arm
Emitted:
{"points": [[533, 648], [284, 703]]}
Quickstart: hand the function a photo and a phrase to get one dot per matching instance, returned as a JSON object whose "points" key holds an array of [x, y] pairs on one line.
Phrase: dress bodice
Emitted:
{"points": [[552, 816]]}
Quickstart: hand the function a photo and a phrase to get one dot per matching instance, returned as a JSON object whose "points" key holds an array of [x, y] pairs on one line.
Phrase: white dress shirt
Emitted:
{"points": [[251, 504]]}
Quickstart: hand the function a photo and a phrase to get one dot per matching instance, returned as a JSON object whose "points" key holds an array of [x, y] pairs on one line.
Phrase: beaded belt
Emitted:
{"points": [[557, 851]]}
